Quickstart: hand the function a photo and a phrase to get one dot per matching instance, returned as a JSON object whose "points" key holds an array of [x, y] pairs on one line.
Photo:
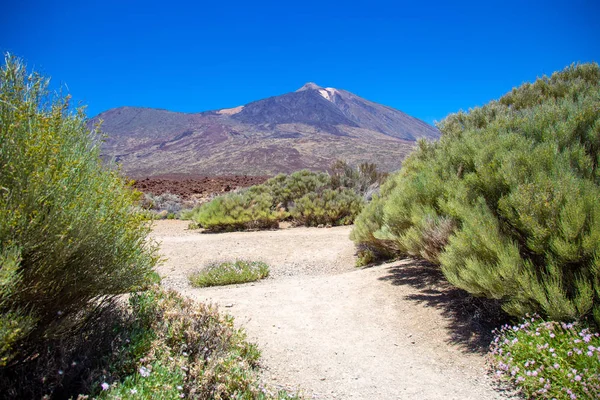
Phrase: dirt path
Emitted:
{"points": [[389, 332]]}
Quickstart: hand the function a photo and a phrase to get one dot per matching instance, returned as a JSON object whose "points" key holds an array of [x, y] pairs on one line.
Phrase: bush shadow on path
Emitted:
{"points": [[471, 319]]}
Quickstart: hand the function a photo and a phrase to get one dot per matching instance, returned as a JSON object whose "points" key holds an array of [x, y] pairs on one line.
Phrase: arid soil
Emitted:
{"points": [[332, 331], [202, 186]]}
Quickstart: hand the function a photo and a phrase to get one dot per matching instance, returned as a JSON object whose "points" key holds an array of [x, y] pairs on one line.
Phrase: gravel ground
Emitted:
{"points": [[330, 330]]}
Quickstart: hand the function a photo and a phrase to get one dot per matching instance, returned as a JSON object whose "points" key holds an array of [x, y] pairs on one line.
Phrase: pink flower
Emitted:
{"points": [[105, 386]]}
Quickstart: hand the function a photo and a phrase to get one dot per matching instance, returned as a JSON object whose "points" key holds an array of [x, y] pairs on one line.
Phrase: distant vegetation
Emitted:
{"points": [[228, 273], [508, 204], [303, 197]]}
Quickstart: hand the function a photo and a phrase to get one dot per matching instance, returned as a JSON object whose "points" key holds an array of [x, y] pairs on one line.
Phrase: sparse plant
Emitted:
{"points": [[228, 273], [548, 360], [158, 345]]}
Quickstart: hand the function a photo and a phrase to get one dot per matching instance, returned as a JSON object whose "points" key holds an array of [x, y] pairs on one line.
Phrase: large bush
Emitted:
{"points": [[507, 201], [68, 239]]}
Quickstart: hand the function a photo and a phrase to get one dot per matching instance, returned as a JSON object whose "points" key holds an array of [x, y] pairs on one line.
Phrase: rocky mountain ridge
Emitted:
{"points": [[308, 128]]}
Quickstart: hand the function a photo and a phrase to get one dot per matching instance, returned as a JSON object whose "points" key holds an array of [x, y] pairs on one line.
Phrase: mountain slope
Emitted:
{"points": [[309, 128]]}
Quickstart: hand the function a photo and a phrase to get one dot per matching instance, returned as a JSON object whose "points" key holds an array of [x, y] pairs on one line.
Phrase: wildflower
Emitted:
{"points": [[133, 391], [556, 366], [180, 388], [577, 378], [145, 372], [105, 386]]}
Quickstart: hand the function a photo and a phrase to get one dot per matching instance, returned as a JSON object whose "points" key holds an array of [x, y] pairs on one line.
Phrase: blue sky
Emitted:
{"points": [[425, 58]]}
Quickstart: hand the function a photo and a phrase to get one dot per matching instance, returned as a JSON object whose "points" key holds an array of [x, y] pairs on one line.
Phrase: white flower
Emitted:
{"points": [[105, 386], [145, 372], [133, 391]]}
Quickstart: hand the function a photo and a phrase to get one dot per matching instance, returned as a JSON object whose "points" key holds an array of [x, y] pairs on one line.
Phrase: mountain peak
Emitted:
{"points": [[309, 86]]}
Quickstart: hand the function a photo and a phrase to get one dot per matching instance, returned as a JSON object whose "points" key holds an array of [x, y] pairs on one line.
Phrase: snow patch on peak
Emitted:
{"points": [[328, 93]]}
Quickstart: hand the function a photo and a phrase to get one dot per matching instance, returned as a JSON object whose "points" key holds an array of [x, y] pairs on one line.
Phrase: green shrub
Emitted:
{"points": [[229, 273], [69, 240], [333, 207], [234, 212], [309, 198], [365, 179], [286, 189], [549, 360], [370, 223], [507, 201]]}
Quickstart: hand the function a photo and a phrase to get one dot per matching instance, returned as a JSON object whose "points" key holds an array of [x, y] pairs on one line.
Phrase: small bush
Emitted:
{"points": [[364, 179], [235, 212], [333, 207], [228, 273], [286, 189], [169, 202], [549, 360]]}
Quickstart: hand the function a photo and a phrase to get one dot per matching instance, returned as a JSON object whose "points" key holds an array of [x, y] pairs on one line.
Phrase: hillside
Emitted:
{"points": [[308, 128]]}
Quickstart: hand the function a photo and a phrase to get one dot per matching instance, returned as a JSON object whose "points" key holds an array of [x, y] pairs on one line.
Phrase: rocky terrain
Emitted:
{"points": [[308, 128], [189, 186]]}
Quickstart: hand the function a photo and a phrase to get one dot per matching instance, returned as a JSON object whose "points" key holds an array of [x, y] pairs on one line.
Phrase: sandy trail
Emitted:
{"points": [[331, 330]]}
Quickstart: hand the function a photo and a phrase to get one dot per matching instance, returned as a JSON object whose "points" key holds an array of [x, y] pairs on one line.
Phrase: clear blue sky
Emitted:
{"points": [[425, 58]]}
